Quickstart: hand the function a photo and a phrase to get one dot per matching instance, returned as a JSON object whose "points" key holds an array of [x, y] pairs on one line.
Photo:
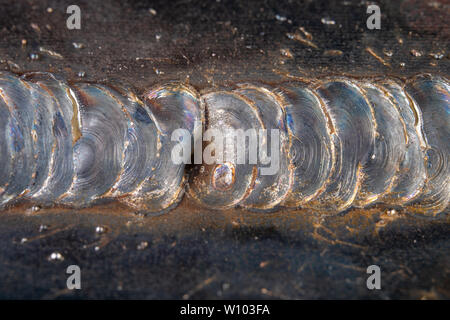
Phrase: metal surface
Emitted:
{"points": [[190, 252]]}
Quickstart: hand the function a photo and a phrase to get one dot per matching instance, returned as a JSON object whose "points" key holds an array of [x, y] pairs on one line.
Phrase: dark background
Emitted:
{"points": [[191, 253]]}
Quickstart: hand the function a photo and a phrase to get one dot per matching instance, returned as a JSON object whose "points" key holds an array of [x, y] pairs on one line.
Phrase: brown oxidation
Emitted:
{"points": [[135, 203]]}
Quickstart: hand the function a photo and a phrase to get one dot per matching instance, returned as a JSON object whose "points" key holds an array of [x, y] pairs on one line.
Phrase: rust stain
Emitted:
{"points": [[376, 56], [298, 37]]}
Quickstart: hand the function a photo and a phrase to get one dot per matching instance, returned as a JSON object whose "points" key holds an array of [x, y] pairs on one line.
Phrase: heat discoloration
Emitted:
{"points": [[343, 142]]}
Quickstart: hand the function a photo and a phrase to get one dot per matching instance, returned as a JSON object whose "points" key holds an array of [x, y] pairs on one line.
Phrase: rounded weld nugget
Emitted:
{"points": [[382, 164], [171, 107], [20, 159], [60, 165], [141, 144], [44, 108], [274, 177], [228, 176], [354, 125], [411, 176], [311, 132], [432, 94], [98, 153]]}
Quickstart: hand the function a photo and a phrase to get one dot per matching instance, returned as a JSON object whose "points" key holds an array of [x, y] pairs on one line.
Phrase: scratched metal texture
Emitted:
{"points": [[193, 253]]}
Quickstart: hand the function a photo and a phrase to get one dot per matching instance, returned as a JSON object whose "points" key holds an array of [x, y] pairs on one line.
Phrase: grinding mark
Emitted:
{"points": [[298, 37], [54, 146], [168, 60], [198, 287], [332, 53], [373, 54], [323, 252], [303, 266], [51, 53], [291, 76], [336, 241], [349, 266], [399, 272], [50, 233]]}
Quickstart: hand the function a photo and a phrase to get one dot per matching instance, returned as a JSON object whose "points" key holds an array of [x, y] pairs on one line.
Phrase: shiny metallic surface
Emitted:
{"points": [[382, 164], [227, 111], [343, 139], [353, 121], [311, 130], [192, 252], [108, 146], [436, 110]]}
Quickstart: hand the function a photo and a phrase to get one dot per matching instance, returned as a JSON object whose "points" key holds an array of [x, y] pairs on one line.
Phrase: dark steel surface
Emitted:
{"points": [[191, 253]]}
